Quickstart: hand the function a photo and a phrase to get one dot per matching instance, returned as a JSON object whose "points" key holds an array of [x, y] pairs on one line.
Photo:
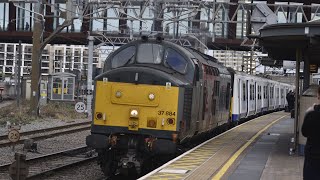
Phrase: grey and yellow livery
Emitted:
{"points": [[153, 98]]}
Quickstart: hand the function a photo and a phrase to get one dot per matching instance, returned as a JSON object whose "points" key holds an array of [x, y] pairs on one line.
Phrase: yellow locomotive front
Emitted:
{"points": [[139, 105], [131, 107]]}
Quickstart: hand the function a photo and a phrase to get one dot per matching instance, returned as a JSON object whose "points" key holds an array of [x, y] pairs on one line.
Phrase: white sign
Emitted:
{"points": [[14, 135], [291, 64], [80, 107]]}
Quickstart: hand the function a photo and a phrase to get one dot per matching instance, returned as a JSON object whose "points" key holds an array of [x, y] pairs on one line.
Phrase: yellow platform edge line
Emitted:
{"points": [[227, 165]]}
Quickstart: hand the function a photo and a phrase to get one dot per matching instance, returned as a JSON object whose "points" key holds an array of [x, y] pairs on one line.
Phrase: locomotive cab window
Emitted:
{"points": [[150, 53], [125, 56], [176, 61]]}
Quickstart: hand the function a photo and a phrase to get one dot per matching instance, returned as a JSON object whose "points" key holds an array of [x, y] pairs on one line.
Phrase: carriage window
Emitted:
{"points": [[123, 57], [150, 53], [251, 92], [260, 94], [271, 92], [177, 62], [250, 97], [267, 95], [244, 91]]}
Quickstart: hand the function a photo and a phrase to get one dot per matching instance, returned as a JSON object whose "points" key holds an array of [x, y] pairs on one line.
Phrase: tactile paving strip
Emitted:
{"points": [[204, 161]]}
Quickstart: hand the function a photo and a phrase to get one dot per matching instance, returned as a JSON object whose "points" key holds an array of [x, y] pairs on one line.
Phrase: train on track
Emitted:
{"points": [[155, 96]]}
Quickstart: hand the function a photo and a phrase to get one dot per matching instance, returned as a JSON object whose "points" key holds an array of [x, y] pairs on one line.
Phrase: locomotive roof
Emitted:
{"points": [[189, 52], [208, 60]]}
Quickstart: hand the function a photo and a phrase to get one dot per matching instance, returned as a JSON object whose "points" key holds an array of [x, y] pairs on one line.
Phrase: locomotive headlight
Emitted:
{"points": [[134, 113], [151, 96], [118, 94]]}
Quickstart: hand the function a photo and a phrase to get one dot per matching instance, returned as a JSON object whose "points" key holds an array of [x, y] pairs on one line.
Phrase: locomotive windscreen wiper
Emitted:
{"points": [[129, 60]]}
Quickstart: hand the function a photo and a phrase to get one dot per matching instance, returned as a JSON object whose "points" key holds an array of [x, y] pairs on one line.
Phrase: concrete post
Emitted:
{"points": [[296, 108], [89, 76], [19, 74], [306, 72]]}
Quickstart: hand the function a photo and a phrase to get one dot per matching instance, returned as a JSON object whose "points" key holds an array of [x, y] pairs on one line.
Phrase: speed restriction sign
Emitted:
{"points": [[80, 107], [14, 135]]}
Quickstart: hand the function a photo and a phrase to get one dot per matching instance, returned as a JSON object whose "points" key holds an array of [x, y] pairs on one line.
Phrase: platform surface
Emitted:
{"points": [[268, 158], [257, 149]]}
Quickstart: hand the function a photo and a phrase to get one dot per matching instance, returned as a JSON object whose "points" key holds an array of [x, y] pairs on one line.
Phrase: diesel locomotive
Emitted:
{"points": [[155, 96]]}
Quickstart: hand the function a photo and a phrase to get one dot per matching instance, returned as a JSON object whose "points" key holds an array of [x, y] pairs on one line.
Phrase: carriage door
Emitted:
{"points": [[243, 97], [256, 96], [248, 89], [240, 96]]}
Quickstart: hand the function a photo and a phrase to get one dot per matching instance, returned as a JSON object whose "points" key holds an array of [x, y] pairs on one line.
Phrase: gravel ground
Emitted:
{"points": [[41, 124], [47, 146], [5, 103], [88, 171]]}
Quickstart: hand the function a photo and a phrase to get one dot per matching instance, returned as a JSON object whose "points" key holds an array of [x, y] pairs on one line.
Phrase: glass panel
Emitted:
{"points": [[62, 7], [147, 25], [176, 61], [4, 16], [77, 23], [57, 88], [97, 24], [135, 26], [150, 53], [112, 24], [315, 11], [221, 28], [68, 89], [168, 25], [123, 57], [241, 27], [295, 16], [282, 14]]}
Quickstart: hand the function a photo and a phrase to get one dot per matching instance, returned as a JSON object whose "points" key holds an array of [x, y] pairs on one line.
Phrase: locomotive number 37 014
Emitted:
{"points": [[167, 113]]}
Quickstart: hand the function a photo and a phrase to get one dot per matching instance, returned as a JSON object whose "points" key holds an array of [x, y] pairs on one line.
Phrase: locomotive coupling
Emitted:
{"points": [[97, 141]]}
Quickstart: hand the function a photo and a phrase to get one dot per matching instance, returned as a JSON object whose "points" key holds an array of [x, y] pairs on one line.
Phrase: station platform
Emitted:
{"points": [[257, 149]]}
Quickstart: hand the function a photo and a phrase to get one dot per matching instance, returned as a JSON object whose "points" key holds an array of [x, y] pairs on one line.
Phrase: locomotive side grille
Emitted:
{"points": [[187, 106]]}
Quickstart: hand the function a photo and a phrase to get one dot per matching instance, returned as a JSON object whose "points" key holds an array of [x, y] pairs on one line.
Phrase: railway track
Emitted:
{"points": [[46, 133], [45, 165], [5, 103]]}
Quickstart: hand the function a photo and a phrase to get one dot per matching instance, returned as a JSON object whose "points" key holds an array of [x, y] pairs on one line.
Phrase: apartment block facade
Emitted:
{"points": [[55, 58]]}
